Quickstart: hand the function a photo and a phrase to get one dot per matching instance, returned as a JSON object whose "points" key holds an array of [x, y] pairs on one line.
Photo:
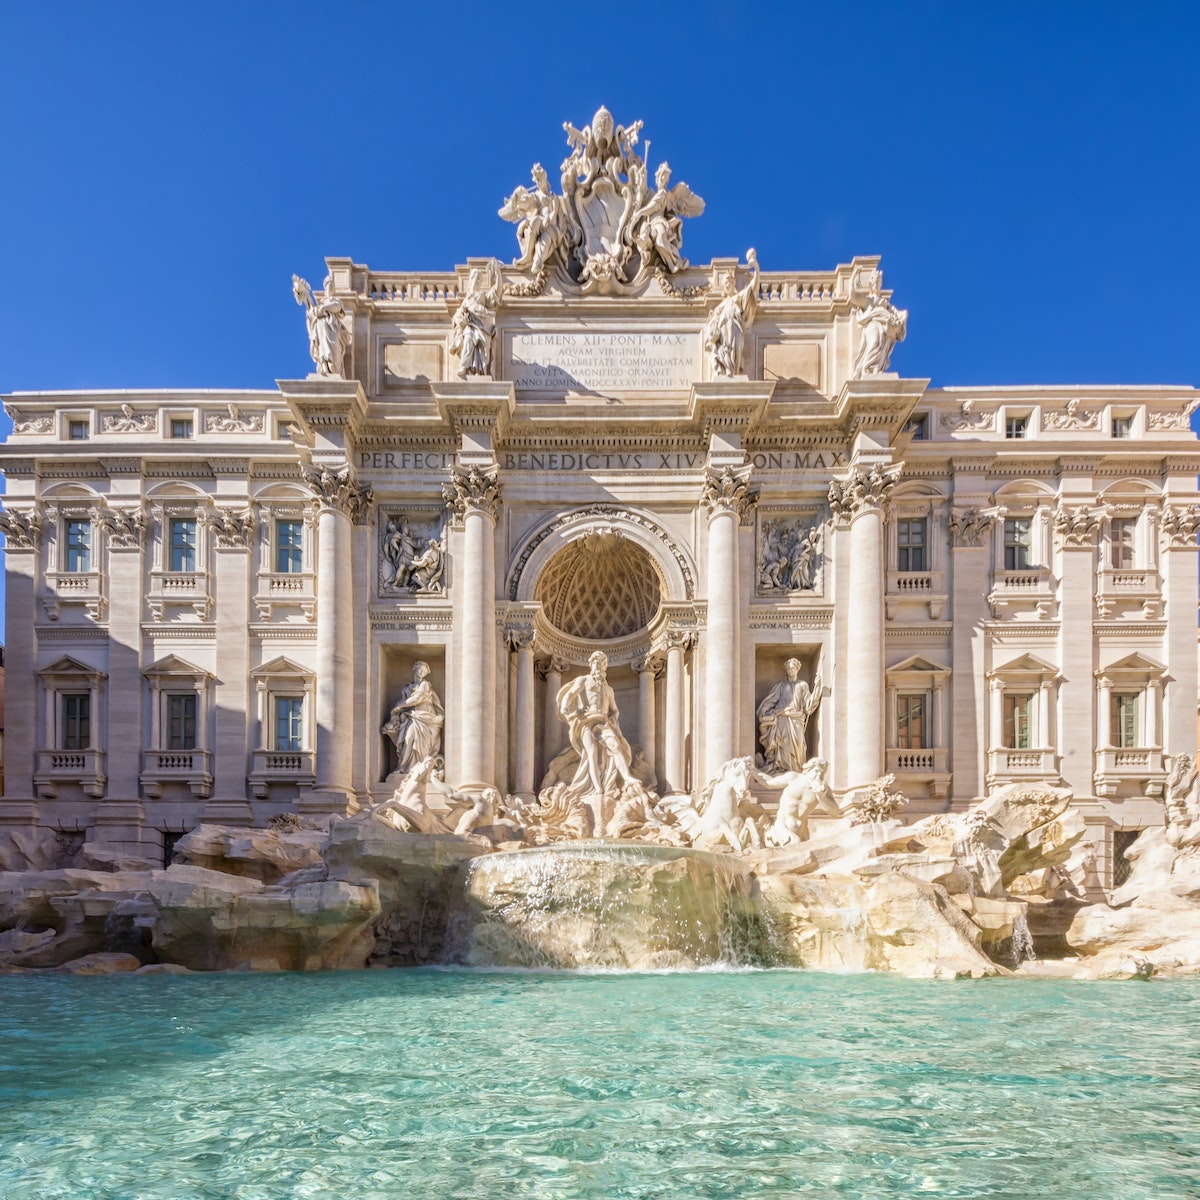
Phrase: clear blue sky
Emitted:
{"points": [[1030, 172]]}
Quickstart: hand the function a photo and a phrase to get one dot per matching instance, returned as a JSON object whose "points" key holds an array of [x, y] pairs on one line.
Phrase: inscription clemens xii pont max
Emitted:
{"points": [[603, 362]]}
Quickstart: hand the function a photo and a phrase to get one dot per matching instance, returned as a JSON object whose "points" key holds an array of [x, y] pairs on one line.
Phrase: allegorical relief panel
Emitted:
{"points": [[790, 553], [411, 557]]}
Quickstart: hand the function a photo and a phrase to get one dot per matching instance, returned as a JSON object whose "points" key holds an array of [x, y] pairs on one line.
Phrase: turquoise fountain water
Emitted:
{"points": [[747, 1084]]}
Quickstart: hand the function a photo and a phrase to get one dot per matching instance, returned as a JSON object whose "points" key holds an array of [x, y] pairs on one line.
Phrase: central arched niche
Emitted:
{"points": [[600, 587]]}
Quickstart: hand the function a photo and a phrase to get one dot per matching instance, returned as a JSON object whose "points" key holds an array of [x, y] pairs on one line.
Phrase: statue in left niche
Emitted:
{"points": [[474, 323], [415, 723], [329, 334]]}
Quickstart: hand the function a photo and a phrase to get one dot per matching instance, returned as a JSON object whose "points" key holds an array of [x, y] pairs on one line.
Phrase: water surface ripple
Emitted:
{"points": [[470, 1084]]}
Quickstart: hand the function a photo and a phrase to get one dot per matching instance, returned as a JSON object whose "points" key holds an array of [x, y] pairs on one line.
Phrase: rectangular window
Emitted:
{"points": [[1018, 721], [1016, 427], [1018, 539], [183, 544], [911, 536], [289, 722], [77, 431], [1121, 531], [76, 721], [181, 721], [285, 429], [917, 426], [1124, 733], [912, 724], [1122, 427], [181, 427], [289, 547], [78, 539]]}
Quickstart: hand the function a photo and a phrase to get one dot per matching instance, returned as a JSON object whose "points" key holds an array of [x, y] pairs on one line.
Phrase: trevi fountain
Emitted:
{"points": [[673, 953]]}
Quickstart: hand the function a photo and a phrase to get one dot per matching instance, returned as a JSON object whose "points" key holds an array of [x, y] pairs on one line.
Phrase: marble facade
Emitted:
{"points": [[215, 599]]}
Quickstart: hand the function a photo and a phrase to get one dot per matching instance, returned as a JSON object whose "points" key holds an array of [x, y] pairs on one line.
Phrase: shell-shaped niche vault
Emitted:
{"points": [[601, 586]]}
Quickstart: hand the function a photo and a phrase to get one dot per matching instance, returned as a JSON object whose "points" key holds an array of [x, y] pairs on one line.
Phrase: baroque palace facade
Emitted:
{"points": [[223, 606]]}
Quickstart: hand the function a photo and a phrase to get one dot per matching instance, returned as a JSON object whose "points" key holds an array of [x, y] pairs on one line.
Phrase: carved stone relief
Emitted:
{"points": [[233, 421], [128, 421], [1073, 418], [410, 560], [968, 420], [789, 554]]}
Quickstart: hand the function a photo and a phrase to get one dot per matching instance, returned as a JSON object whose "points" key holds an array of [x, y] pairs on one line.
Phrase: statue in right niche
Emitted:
{"points": [[414, 725], [783, 719]]}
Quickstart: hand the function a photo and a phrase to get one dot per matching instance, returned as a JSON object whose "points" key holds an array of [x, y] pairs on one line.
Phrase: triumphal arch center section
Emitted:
{"points": [[589, 525]]}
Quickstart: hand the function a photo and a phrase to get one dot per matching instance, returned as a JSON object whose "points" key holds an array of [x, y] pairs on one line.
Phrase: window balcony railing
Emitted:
{"points": [[1022, 764], [278, 589], [924, 586], [178, 588], [297, 767], [1137, 765], [917, 762], [84, 588], [1118, 591], [58, 767], [1031, 588], [191, 767]]}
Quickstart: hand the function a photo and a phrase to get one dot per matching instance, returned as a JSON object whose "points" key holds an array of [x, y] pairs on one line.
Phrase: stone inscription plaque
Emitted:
{"points": [[604, 362]]}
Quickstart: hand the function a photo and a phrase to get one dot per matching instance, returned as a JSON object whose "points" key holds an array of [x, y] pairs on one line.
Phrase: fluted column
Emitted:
{"points": [[473, 497], [861, 498], [520, 640], [1075, 530], [341, 504], [647, 669], [728, 497], [676, 782], [1178, 525]]}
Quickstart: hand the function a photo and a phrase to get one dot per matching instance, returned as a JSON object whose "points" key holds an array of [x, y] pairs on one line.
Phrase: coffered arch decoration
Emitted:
{"points": [[595, 530]]}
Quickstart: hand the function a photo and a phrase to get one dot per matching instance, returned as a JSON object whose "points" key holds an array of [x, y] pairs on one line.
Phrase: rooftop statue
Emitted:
{"points": [[328, 333], [725, 331], [474, 323], [608, 227], [883, 326]]}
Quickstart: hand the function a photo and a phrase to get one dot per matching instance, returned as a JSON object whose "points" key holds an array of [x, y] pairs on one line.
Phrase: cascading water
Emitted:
{"points": [[1022, 942], [605, 905]]}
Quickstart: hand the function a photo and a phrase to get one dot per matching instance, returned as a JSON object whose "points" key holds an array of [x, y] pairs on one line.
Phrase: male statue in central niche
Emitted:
{"points": [[783, 719], [589, 707]]}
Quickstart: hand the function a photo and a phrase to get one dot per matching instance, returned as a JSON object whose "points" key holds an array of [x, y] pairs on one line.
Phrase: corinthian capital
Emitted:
{"points": [[1178, 525], [862, 491], [1076, 527], [729, 491], [336, 489], [22, 531], [473, 491], [126, 527], [969, 526]]}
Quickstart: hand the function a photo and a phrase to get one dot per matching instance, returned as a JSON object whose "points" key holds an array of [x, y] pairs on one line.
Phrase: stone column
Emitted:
{"points": [[647, 668], [520, 640], [970, 566], [1075, 530], [995, 733], [341, 503], [729, 498], [676, 767], [1104, 714], [473, 497], [1153, 699], [861, 497], [23, 537], [231, 584], [552, 734], [1178, 526]]}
